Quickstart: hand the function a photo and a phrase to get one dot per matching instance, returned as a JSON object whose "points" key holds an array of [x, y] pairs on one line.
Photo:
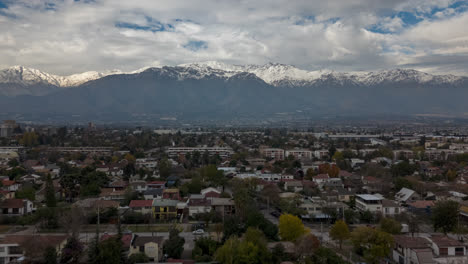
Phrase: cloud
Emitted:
{"points": [[70, 36]]}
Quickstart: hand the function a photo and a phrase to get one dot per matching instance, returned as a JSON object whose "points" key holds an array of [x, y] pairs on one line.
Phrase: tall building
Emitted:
{"points": [[7, 128]]}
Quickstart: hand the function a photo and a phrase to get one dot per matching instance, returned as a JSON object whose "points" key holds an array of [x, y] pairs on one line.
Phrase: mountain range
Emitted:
{"points": [[214, 90]]}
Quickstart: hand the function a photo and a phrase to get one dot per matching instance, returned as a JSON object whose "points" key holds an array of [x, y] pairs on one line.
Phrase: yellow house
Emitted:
{"points": [[164, 209], [150, 246]]}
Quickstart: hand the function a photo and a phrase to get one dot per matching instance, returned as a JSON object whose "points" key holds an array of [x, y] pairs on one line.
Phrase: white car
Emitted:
{"points": [[199, 232]]}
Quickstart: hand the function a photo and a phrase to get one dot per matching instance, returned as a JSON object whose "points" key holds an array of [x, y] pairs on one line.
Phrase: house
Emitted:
{"points": [[141, 206], [198, 204], [406, 195], [14, 248], [412, 250], [211, 192], [11, 186], [150, 246], [444, 246], [390, 208], [151, 194], [156, 185], [223, 206], [369, 202], [16, 207], [139, 186], [294, 186], [118, 185], [320, 179], [423, 207], [165, 209], [112, 194], [172, 194]]}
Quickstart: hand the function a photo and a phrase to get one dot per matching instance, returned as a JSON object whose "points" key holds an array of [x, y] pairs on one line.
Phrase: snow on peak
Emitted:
{"points": [[28, 76], [270, 73]]}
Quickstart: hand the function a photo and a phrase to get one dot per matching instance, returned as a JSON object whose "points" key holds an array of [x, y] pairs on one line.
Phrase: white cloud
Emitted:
{"points": [[78, 36]]}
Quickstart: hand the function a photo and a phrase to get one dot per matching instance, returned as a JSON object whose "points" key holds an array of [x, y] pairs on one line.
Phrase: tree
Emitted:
{"points": [[390, 225], [204, 249], [251, 249], [26, 193], [164, 167], [445, 216], [29, 139], [138, 258], [325, 256], [306, 245], [174, 246], [93, 249], [291, 227], [372, 243], [339, 231], [72, 251], [227, 254], [109, 251], [50, 256], [50, 199]]}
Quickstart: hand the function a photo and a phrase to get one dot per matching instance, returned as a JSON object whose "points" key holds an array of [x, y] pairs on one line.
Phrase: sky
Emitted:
{"points": [[72, 36]]}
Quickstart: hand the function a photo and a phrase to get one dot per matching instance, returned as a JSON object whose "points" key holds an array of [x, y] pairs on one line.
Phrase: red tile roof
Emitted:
{"points": [[8, 182], [12, 203], [140, 203], [445, 241]]}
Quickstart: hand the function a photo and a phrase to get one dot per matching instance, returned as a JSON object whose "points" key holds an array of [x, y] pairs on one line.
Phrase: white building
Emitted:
{"points": [[369, 202], [223, 152], [299, 153]]}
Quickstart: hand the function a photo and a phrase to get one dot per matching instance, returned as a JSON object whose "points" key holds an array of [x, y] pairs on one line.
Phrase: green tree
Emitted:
{"points": [[204, 249], [339, 232], [26, 193], [291, 227], [390, 225], [227, 254], [50, 256], [174, 246], [50, 199], [165, 168], [109, 251], [138, 258], [251, 249], [372, 243], [325, 256], [29, 139], [93, 249], [445, 216]]}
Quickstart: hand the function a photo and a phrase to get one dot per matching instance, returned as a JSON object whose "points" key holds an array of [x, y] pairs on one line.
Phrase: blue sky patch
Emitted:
{"points": [[3, 4], [196, 45], [150, 25]]}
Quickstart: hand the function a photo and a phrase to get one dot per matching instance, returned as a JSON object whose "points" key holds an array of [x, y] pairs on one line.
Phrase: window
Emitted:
{"points": [[387, 210], [443, 251], [2, 249], [459, 251]]}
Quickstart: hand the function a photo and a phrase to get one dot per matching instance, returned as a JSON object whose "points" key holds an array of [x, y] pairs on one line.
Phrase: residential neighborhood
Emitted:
{"points": [[80, 194]]}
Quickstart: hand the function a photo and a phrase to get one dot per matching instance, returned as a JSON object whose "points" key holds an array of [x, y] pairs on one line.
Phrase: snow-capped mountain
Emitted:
{"points": [[28, 76], [281, 74], [213, 90], [19, 80]]}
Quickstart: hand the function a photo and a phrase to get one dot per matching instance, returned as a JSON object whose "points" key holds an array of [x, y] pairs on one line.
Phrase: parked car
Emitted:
{"points": [[199, 232]]}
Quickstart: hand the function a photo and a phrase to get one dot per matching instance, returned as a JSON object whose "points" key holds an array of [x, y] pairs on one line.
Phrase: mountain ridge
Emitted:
{"points": [[19, 80]]}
